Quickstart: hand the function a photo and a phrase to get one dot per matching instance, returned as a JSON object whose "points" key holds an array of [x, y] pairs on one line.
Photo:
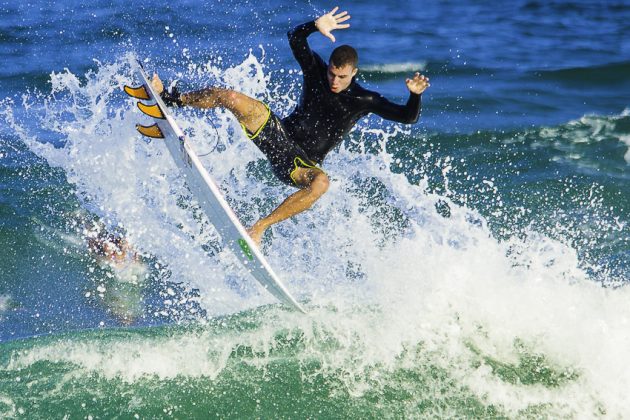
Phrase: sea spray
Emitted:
{"points": [[415, 305]]}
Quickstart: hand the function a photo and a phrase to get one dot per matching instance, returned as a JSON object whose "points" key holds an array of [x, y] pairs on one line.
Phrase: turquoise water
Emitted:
{"points": [[473, 265], [241, 367]]}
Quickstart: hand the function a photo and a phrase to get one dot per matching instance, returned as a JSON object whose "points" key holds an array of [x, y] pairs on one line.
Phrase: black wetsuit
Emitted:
{"points": [[322, 117]]}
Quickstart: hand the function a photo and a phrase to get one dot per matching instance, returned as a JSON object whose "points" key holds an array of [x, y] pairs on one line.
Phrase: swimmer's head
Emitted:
{"points": [[108, 245], [114, 245]]}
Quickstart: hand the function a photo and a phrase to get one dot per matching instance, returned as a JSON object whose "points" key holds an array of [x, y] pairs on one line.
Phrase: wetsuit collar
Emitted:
{"points": [[350, 87]]}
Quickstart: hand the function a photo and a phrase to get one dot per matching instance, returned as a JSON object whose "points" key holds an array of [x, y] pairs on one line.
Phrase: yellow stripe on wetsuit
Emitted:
{"points": [[263, 125], [299, 162]]}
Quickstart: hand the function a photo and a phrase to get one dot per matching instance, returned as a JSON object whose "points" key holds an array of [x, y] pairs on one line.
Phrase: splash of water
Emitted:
{"points": [[383, 271]]}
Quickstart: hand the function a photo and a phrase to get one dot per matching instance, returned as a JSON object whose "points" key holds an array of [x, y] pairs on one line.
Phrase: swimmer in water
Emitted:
{"points": [[122, 293], [112, 247]]}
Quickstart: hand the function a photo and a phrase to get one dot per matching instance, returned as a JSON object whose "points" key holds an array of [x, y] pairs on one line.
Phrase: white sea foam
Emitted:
{"points": [[167, 358], [396, 67], [7, 407], [441, 282], [587, 130], [626, 140], [5, 301]]}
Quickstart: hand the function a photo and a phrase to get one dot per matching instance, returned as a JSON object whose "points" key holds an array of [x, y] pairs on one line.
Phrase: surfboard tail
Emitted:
{"points": [[139, 92], [154, 111], [151, 110]]}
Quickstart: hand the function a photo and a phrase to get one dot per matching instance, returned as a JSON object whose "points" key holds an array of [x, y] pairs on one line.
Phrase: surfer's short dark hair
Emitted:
{"points": [[344, 55]]}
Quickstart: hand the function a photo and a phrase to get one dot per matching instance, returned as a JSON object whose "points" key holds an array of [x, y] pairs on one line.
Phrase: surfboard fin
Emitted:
{"points": [[152, 131], [138, 92], [151, 110]]}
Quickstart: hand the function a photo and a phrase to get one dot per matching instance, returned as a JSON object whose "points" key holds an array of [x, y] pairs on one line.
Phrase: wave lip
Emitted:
{"points": [[600, 74], [394, 68]]}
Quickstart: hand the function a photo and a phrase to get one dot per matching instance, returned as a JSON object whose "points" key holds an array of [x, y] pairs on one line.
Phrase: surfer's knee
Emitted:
{"points": [[228, 98], [320, 183], [232, 99]]}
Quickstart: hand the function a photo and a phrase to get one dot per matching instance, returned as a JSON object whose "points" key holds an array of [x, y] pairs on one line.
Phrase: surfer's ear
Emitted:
{"points": [[355, 71]]}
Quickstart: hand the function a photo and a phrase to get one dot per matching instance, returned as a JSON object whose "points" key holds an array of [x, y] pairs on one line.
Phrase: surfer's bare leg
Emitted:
{"points": [[249, 112], [253, 114], [313, 183]]}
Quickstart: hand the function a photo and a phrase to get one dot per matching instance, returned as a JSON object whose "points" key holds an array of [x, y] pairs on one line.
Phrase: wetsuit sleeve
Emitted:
{"points": [[407, 113], [299, 45]]}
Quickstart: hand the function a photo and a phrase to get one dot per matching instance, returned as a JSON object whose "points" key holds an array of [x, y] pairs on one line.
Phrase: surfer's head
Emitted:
{"points": [[342, 68]]}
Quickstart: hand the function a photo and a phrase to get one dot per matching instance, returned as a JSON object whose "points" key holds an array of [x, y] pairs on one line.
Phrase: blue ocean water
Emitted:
{"points": [[475, 264]]}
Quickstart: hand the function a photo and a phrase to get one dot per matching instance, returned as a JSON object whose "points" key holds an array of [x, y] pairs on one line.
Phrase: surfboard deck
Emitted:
{"points": [[205, 189]]}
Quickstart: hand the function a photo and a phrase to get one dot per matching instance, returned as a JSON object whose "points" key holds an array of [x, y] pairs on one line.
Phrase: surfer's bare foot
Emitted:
{"points": [[157, 84], [256, 233]]}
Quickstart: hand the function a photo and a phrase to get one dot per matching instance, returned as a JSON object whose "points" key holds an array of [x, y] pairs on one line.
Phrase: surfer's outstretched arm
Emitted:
{"points": [[325, 24], [331, 21], [407, 113], [250, 112]]}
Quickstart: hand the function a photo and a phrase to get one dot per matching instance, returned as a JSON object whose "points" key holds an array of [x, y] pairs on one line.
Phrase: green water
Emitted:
{"points": [[294, 375]]}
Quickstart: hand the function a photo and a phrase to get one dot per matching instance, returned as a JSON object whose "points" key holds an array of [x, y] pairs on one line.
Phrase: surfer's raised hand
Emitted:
{"points": [[331, 21], [417, 84]]}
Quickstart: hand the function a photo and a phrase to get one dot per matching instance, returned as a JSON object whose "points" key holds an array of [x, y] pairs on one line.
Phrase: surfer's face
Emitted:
{"points": [[339, 78]]}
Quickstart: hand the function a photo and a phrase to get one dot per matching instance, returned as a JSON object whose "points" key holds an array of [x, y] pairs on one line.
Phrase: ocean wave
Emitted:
{"points": [[601, 74], [626, 138], [395, 68], [5, 303], [26, 80], [593, 139], [419, 300], [376, 359]]}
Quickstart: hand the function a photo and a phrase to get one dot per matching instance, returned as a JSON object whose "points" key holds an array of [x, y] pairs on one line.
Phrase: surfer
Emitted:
{"points": [[331, 103]]}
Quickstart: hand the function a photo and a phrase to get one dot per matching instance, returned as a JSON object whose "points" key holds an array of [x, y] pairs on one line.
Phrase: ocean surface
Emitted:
{"points": [[474, 265]]}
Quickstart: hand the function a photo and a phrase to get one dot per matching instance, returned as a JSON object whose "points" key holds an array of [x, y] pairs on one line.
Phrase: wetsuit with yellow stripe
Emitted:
{"points": [[284, 155], [322, 117]]}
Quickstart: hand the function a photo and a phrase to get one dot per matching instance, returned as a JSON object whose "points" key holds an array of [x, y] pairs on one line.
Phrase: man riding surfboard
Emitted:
{"points": [[331, 104]]}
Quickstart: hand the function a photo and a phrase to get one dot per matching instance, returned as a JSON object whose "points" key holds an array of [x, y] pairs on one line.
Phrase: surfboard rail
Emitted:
{"points": [[205, 189]]}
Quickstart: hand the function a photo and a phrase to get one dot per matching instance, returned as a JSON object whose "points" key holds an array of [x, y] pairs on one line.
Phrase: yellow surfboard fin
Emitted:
{"points": [[152, 131], [139, 92], [151, 110]]}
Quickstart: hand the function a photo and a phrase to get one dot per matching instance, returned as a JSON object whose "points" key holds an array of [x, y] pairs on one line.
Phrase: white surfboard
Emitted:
{"points": [[205, 189]]}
